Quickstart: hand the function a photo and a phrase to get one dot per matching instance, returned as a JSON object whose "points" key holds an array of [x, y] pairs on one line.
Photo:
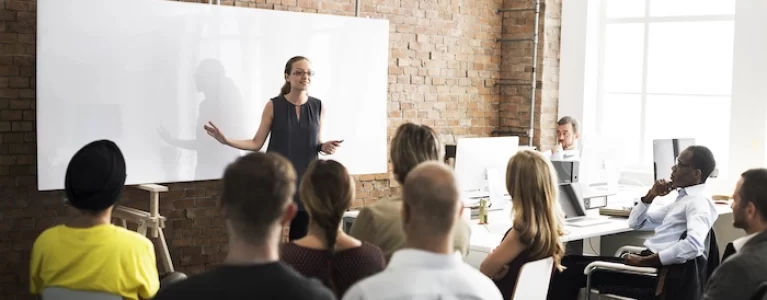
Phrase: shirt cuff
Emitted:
{"points": [[641, 207], [668, 257]]}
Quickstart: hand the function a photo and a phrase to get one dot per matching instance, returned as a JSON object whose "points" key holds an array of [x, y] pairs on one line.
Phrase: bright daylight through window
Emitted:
{"points": [[665, 72]]}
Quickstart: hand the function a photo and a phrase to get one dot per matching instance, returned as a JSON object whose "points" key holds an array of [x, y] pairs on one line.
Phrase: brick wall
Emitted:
{"points": [[517, 68], [444, 62]]}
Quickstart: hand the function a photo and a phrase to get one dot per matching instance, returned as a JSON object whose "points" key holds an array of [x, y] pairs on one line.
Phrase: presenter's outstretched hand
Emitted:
{"points": [[329, 147], [215, 133]]}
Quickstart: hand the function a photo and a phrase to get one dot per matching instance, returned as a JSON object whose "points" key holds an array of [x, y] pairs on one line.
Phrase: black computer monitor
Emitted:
{"points": [[567, 171], [665, 152]]}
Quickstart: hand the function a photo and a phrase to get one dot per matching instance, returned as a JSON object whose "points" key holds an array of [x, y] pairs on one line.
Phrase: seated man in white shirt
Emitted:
{"points": [[692, 215], [427, 267], [567, 140]]}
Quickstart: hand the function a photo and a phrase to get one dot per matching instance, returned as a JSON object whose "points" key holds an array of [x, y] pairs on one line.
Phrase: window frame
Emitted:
{"points": [[639, 164]]}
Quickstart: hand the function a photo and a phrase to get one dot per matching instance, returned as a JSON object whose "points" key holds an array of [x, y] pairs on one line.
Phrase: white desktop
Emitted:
{"points": [[480, 169]]}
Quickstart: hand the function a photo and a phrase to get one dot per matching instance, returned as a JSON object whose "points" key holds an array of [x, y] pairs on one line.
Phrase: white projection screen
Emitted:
{"points": [[148, 74]]}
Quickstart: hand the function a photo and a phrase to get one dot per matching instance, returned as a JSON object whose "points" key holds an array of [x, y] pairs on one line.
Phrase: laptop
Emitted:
{"points": [[571, 201]]}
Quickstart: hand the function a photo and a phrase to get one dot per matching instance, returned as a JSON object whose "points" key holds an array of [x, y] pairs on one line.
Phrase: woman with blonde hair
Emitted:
{"points": [[326, 252], [536, 221]]}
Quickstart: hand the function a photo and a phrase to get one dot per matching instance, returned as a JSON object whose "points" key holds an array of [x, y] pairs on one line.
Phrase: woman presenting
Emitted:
{"points": [[294, 120]]}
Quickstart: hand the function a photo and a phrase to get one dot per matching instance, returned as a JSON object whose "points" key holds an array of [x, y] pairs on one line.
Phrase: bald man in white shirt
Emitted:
{"points": [[427, 267]]}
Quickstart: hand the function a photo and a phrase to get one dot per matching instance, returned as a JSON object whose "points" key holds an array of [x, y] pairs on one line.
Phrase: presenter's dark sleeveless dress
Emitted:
{"points": [[296, 139]]}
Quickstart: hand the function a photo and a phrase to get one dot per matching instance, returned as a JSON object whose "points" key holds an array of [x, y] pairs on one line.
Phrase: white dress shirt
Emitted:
{"points": [[738, 243], [693, 212], [417, 274], [564, 155]]}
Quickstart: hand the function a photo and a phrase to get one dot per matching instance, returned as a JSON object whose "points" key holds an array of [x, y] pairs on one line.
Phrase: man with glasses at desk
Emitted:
{"points": [[691, 215]]}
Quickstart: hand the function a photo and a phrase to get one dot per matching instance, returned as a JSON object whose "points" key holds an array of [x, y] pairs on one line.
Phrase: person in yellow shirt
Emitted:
{"points": [[89, 253]]}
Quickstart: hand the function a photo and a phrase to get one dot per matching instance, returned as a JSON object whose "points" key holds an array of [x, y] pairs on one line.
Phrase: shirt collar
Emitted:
{"points": [[694, 190], [410, 257], [738, 243]]}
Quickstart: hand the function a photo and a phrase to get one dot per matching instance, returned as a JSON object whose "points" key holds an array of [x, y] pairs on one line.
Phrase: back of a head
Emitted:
{"points": [[430, 193], [532, 183], [754, 189], [703, 159], [413, 144], [327, 191], [95, 177], [256, 189]]}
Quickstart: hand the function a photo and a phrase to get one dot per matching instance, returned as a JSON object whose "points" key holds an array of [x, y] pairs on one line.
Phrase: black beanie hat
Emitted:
{"points": [[95, 176]]}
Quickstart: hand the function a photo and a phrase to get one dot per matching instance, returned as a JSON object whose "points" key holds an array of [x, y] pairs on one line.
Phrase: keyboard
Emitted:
{"points": [[587, 221]]}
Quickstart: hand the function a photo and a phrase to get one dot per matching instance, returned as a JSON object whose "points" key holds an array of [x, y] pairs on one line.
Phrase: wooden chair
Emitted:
{"points": [[148, 222]]}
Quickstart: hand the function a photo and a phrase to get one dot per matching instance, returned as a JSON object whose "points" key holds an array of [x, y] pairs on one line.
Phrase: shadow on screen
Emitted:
{"points": [[222, 104], [85, 123]]}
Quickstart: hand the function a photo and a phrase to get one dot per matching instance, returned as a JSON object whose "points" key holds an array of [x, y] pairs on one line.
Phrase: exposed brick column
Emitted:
{"points": [[516, 65]]}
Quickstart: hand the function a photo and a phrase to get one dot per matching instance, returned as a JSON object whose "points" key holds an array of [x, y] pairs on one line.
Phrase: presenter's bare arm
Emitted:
{"points": [[257, 142]]}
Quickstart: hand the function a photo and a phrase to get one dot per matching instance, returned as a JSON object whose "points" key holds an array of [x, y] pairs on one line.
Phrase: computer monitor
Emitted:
{"points": [[567, 171], [571, 200], [476, 158], [665, 152]]}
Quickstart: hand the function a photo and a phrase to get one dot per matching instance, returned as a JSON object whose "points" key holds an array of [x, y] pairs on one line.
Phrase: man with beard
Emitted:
{"points": [[740, 275]]}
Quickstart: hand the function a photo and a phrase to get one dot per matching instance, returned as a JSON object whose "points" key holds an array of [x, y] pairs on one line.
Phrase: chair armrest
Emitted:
{"points": [[617, 267], [629, 249]]}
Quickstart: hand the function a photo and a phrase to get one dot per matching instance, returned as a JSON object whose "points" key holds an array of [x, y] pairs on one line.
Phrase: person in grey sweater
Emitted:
{"points": [[739, 275]]}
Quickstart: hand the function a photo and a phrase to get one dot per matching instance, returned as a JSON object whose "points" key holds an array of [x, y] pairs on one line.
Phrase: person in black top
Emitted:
{"points": [[256, 195], [294, 120]]}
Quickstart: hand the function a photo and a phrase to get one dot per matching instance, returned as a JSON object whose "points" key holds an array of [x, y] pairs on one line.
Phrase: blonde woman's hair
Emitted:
{"points": [[532, 183]]}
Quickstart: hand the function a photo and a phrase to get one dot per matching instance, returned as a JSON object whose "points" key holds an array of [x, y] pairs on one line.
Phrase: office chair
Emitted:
{"points": [[672, 280], [761, 292]]}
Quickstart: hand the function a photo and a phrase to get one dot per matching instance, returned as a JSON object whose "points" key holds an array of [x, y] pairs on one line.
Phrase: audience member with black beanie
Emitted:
{"points": [[89, 253]]}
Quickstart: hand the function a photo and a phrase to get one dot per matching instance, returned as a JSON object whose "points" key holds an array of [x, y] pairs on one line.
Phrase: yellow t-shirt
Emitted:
{"points": [[103, 258]]}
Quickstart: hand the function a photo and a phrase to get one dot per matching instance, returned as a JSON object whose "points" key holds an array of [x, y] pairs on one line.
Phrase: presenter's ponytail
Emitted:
{"points": [[285, 88]]}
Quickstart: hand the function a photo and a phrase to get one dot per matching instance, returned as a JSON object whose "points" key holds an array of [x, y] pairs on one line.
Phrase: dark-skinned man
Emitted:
{"points": [[693, 212]]}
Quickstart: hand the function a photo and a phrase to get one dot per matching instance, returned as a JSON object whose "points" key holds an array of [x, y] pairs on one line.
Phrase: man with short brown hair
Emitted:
{"points": [[257, 192], [739, 276], [568, 133], [380, 224]]}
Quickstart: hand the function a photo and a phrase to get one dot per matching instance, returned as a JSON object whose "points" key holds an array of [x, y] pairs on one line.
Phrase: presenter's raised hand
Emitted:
{"points": [[213, 131], [329, 147]]}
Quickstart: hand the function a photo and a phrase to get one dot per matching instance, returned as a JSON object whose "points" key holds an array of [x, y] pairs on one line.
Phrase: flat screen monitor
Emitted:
{"points": [[476, 157], [665, 152]]}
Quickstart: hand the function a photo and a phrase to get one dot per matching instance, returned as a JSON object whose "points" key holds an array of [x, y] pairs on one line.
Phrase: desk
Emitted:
{"points": [[485, 238]]}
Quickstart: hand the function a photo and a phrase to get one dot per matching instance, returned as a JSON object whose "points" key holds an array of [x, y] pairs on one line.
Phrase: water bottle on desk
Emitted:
{"points": [[483, 211]]}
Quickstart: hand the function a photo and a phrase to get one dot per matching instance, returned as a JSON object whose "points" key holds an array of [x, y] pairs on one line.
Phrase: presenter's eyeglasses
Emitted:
{"points": [[301, 73]]}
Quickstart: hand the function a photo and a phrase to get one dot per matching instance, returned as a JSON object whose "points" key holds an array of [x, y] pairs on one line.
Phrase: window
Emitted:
{"points": [[665, 71]]}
